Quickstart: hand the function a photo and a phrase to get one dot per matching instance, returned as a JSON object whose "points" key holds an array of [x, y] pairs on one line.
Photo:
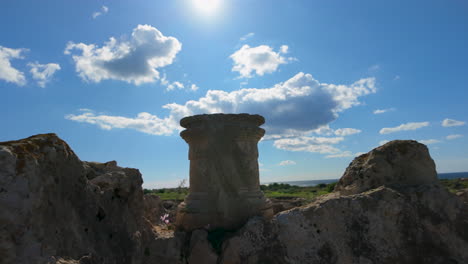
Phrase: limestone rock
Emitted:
{"points": [[152, 208], [201, 251], [401, 162], [224, 177], [54, 206], [420, 224], [463, 194]]}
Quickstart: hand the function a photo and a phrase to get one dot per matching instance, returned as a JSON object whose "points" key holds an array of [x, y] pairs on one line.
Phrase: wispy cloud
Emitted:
{"points": [[134, 61], [451, 123], [346, 131], [287, 163], [247, 36], [143, 122], [344, 154], [381, 111], [374, 68], [454, 136], [43, 73], [259, 60], [104, 10], [321, 145], [404, 127], [7, 71], [429, 141]]}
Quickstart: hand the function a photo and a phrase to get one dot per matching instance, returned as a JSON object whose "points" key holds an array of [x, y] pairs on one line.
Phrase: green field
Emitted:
{"points": [[282, 190], [274, 190]]}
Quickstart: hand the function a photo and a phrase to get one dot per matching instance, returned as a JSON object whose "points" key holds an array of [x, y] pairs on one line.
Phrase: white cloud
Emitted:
{"points": [[357, 154], [286, 163], [257, 60], [284, 49], [344, 154], [7, 71], [293, 108], [455, 136], [174, 85], [104, 10], [321, 145], [136, 60], [381, 111], [346, 131], [429, 141], [143, 122], [193, 87], [451, 122], [247, 36], [42, 73], [404, 127]]}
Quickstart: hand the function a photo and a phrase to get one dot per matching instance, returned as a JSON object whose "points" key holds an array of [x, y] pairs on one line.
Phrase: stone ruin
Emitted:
{"points": [[224, 187]]}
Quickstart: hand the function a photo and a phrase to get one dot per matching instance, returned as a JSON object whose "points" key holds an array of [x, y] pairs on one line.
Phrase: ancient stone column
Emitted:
{"points": [[224, 177]]}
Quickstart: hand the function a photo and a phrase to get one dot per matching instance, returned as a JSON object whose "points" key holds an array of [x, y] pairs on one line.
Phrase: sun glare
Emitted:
{"points": [[207, 7]]}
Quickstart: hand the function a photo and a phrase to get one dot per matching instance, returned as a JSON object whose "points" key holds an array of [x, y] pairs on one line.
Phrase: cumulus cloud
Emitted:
{"points": [[257, 60], [7, 71], [346, 131], [429, 141], [104, 10], [452, 137], [381, 111], [247, 36], [451, 122], [404, 127], [134, 61], [42, 73], [287, 162], [294, 108]]}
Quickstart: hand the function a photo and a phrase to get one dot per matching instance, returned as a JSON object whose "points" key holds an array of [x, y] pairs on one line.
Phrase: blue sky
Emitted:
{"points": [[332, 78]]}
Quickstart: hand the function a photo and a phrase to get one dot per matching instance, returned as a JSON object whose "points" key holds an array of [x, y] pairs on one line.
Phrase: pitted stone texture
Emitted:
{"points": [[58, 209], [414, 224], [401, 162], [224, 177]]}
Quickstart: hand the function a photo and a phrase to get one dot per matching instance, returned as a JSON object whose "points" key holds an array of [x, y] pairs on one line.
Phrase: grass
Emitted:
{"points": [[282, 190], [454, 185], [274, 190]]}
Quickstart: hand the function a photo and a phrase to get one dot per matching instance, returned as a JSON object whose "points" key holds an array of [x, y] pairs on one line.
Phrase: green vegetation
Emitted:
{"points": [[454, 185], [168, 193], [274, 190], [283, 190]]}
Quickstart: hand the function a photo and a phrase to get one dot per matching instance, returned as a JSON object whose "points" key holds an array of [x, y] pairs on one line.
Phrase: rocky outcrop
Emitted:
{"points": [[387, 208], [56, 208], [422, 224], [400, 162]]}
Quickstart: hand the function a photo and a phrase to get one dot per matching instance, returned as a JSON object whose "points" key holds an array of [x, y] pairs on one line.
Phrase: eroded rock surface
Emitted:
{"points": [[56, 208], [403, 162], [423, 224]]}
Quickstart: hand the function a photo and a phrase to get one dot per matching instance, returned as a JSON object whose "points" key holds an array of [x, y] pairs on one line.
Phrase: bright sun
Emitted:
{"points": [[207, 7]]}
